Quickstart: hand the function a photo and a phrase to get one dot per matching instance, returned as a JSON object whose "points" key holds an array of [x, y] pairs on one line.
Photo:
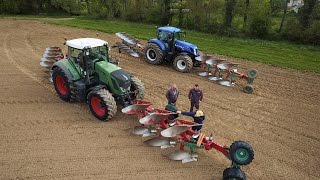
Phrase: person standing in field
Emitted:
{"points": [[195, 97], [172, 94]]}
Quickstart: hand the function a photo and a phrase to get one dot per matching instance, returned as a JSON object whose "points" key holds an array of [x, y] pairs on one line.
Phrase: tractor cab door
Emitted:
{"points": [[167, 39], [76, 55]]}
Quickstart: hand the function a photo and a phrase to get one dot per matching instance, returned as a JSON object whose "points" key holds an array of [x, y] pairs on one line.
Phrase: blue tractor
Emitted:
{"points": [[169, 47]]}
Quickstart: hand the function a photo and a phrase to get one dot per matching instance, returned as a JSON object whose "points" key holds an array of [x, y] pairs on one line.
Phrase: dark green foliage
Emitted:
{"points": [[259, 26], [238, 18], [312, 34]]}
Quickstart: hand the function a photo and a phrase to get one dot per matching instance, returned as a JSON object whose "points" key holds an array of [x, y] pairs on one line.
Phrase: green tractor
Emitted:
{"points": [[89, 75]]}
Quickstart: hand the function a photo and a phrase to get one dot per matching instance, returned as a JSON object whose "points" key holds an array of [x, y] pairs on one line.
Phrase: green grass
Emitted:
{"points": [[282, 54]]}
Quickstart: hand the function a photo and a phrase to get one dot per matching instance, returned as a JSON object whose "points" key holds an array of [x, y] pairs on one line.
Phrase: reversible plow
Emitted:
{"points": [[225, 73], [50, 56], [169, 130], [129, 45]]}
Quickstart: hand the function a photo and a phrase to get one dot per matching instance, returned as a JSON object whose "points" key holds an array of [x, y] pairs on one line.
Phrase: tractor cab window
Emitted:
{"points": [[165, 36], [74, 53], [100, 52], [77, 56], [177, 36]]}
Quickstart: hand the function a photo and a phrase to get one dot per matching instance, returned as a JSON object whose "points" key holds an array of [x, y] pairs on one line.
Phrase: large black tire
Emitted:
{"points": [[137, 88], [248, 89], [102, 104], [183, 63], [61, 84], [153, 54], [252, 73], [241, 153], [233, 173]]}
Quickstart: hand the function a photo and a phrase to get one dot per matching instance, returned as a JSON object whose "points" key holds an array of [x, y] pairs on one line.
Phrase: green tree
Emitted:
{"points": [[229, 12]]}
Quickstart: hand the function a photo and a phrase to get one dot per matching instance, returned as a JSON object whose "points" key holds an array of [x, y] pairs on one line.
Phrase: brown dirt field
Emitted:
{"points": [[42, 137]]}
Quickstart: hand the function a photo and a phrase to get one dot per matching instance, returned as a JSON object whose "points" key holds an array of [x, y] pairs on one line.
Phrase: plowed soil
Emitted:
{"points": [[43, 137]]}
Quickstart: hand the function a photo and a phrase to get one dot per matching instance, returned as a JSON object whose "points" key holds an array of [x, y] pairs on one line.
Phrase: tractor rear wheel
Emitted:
{"points": [[137, 88], [241, 153], [102, 104], [183, 63], [153, 54], [233, 173], [61, 84]]}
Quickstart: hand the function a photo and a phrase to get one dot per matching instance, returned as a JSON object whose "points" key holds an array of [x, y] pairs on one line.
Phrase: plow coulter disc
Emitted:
{"points": [[213, 62], [226, 66], [126, 49], [214, 78], [203, 58], [153, 119], [203, 74], [140, 130], [226, 83], [46, 64], [174, 131], [183, 156], [158, 142], [133, 109], [121, 35], [48, 60]]}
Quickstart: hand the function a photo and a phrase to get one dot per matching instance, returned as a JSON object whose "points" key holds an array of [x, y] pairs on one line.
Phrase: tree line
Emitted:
{"points": [[268, 19]]}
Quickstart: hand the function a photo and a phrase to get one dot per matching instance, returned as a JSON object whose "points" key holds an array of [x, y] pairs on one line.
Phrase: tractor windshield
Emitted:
{"points": [[165, 36], [100, 52]]}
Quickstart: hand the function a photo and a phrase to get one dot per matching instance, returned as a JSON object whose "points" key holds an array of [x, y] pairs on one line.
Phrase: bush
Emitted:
{"points": [[312, 34], [293, 31], [259, 27]]}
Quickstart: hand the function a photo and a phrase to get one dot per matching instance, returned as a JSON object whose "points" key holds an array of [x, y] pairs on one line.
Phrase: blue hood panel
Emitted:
{"points": [[186, 47]]}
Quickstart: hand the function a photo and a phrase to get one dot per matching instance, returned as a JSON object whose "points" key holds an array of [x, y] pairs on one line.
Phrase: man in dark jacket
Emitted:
{"points": [[198, 117], [195, 97], [172, 94]]}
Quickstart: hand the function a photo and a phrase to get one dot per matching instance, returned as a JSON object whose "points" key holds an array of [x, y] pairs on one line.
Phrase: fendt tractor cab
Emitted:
{"points": [[88, 74], [170, 47]]}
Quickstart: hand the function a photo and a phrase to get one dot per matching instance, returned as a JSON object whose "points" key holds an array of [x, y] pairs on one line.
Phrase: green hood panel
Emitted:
{"points": [[105, 67], [113, 76]]}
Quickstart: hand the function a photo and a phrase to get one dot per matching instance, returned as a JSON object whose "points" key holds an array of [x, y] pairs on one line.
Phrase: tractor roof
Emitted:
{"points": [[169, 29], [81, 43]]}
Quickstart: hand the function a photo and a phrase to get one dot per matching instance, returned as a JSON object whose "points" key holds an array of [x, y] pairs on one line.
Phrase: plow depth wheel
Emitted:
{"points": [[252, 73], [183, 63], [102, 104], [61, 84], [153, 54], [248, 89], [241, 153], [233, 173]]}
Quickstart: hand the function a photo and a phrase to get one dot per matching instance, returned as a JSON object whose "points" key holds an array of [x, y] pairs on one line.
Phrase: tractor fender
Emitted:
{"points": [[95, 88], [68, 69], [159, 43], [184, 53]]}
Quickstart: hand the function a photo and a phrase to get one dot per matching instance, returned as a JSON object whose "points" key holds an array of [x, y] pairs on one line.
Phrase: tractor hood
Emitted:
{"points": [[187, 47]]}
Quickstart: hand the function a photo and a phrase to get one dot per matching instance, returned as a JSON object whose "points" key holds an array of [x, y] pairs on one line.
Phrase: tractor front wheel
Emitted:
{"points": [[61, 84], [241, 153], [137, 88], [153, 54], [233, 173], [183, 63], [102, 104]]}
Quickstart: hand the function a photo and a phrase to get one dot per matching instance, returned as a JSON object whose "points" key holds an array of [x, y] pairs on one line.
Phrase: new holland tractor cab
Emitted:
{"points": [[170, 47], [89, 75]]}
